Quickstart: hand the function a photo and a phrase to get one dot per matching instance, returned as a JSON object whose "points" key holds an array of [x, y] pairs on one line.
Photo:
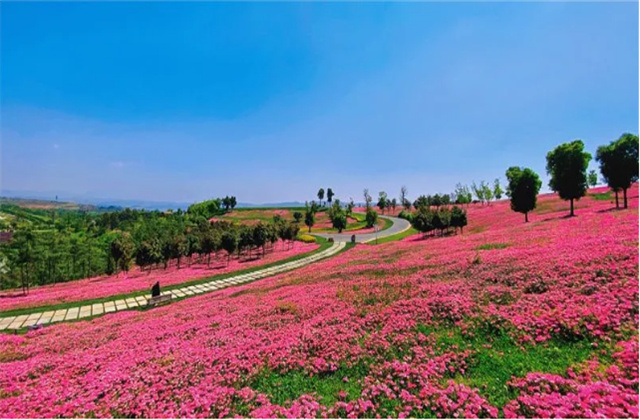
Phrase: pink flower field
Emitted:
{"points": [[137, 280], [509, 319]]}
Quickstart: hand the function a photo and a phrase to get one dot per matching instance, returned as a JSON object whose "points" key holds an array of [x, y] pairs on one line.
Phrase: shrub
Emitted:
{"points": [[306, 238]]}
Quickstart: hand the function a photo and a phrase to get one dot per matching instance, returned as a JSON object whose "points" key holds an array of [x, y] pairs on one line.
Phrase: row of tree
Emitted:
{"points": [[443, 219], [567, 167]]}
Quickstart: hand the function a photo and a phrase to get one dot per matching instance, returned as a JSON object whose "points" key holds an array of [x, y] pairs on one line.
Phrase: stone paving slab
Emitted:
{"points": [[131, 303], [59, 315], [97, 309], [5, 322], [72, 314], [18, 321], [46, 317], [109, 307]]}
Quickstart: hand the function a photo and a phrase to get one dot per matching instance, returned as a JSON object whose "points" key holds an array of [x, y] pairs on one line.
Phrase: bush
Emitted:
{"points": [[308, 239], [405, 215], [371, 218]]}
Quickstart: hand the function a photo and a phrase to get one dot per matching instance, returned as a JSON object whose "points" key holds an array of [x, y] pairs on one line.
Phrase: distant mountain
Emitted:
{"points": [[123, 203]]}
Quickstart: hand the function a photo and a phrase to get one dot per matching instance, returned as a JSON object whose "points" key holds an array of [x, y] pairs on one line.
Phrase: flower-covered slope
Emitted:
{"points": [[513, 319]]}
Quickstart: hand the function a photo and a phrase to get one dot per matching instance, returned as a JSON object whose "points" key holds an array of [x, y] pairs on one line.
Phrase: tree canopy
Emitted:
{"points": [[567, 165], [522, 188]]}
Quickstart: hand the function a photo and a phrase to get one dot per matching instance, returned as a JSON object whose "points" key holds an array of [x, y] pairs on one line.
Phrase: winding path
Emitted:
{"points": [[399, 225], [40, 317]]}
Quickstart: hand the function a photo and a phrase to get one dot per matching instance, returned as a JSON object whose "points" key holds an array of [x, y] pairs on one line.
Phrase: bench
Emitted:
{"points": [[156, 300]]}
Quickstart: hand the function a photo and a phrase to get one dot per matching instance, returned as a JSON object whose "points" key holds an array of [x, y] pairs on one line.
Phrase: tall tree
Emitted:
{"points": [[567, 165], [330, 195], [367, 198], [321, 195], [592, 178], [497, 189], [404, 201], [309, 219], [229, 243], [383, 202], [619, 164], [522, 188]]}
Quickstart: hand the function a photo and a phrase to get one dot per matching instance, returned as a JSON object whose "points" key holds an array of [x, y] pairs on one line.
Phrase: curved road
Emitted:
{"points": [[399, 225]]}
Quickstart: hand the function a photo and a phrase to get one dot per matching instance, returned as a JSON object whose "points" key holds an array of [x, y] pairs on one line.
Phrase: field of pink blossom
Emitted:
{"points": [[509, 319], [137, 280]]}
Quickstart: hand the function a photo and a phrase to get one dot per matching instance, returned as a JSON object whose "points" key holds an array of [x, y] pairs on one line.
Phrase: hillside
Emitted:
{"points": [[513, 319]]}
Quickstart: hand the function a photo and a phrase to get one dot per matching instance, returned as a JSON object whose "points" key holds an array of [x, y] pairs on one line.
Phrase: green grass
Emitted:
{"points": [[496, 358], [489, 369], [284, 388], [605, 196], [324, 244], [395, 237], [497, 245]]}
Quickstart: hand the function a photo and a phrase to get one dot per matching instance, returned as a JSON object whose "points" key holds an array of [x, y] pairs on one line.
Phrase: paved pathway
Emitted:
{"points": [[399, 225], [85, 311]]}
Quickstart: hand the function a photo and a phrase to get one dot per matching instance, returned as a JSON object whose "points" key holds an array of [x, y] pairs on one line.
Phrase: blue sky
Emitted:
{"points": [[269, 102]]}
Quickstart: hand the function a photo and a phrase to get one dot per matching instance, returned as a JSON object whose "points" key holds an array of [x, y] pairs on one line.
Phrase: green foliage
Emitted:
{"points": [[567, 165], [619, 163], [462, 194], [383, 201], [286, 387], [321, 195], [522, 188], [371, 217], [309, 218], [497, 357], [330, 195], [426, 220], [297, 216], [497, 189], [592, 178], [206, 209], [488, 246]]}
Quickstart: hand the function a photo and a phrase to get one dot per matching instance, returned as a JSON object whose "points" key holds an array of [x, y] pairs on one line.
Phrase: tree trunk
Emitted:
{"points": [[526, 217], [571, 214], [209, 260], [617, 204], [624, 193]]}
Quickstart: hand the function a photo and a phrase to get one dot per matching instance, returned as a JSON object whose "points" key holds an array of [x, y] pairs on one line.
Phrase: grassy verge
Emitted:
{"points": [[396, 237], [324, 244]]}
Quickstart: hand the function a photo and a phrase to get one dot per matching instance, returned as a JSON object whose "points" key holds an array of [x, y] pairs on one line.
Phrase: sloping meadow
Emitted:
{"points": [[509, 319]]}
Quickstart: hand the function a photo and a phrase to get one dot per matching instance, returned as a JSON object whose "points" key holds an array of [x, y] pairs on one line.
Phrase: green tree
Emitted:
{"points": [[260, 236], [497, 190], [330, 195], [404, 201], [122, 251], [567, 165], [309, 219], [592, 178], [619, 164], [229, 243], [383, 201], [523, 186], [371, 217], [297, 216], [458, 218], [321, 195], [422, 220]]}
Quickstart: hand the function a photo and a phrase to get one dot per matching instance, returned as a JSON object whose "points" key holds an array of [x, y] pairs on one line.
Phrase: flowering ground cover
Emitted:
{"points": [[508, 319], [137, 280]]}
